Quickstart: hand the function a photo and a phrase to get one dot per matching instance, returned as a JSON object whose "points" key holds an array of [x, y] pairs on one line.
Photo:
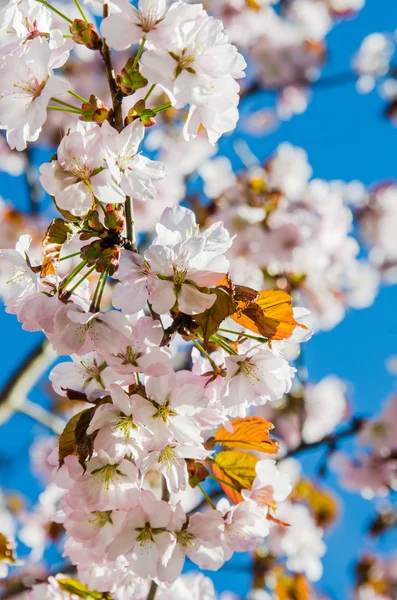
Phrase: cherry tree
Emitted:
{"points": [[181, 400]]}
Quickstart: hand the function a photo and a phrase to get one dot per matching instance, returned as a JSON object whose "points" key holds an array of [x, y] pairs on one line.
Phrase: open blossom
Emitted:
{"points": [[87, 373], [107, 484], [270, 485], [140, 351], [255, 377], [28, 84], [127, 24], [180, 262], [169, 409], [79, 175], [302, 541], [192, 61], [116, 430], [133, 172], [245, 526], [198, 539], [79, 332], [144, 538]]}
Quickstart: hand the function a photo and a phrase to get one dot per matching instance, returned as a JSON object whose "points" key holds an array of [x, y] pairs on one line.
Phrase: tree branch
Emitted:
{"points": [[329, 440], [13, 397]]}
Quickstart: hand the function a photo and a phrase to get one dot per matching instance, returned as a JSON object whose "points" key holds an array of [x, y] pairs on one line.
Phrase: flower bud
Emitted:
{"points": [[84, 33], [139, 111], [130, 79], [95, 110]]}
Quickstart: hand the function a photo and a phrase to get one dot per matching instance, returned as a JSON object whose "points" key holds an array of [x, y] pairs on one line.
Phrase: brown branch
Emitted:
{"points": [[111, 77], [329, 440]]}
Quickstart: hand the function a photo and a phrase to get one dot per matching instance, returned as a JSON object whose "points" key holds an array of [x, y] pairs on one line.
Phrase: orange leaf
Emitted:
{"points": [[250, 433], [292, 586], [235, 471], [270, 315]]}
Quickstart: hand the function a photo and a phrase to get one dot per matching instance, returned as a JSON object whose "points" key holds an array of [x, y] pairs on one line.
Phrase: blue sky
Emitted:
{"points": [[346, 137]]}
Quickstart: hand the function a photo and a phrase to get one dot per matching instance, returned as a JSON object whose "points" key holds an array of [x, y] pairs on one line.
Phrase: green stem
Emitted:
{"points": [[77, 3], [69, 256], [247, 335], [206, 496], [205, 353], [76, 285], [149, 92], [162, 107], [58, 12], [93, 301], [101, 289], [139, 53], [73, 274], [66, 104], [77, 96], [68, 110], [223, 344], [234, 487]]}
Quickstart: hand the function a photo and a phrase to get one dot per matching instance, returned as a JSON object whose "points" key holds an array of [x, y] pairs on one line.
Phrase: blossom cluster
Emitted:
{"points": [[150, 431]]}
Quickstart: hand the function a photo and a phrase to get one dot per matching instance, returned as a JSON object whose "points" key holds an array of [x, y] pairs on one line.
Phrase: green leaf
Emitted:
{"points": [[74, 586], [6, 550], [211, 318], [57, 234]]}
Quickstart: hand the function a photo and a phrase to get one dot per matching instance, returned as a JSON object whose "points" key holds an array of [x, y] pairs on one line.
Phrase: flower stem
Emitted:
{"points": [[76, 285], [68, 110], [73, 274], [223, 344], [246, 335], [58, 12], [104, 277], [206, 496], [78, 97], [66, 104], [77, 3], [149, 92], [139, 53], [69, 256], [162, 107], [205, 353]]}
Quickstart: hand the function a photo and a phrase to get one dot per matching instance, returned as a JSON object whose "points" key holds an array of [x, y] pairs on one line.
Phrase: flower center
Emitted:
{"points": [[129, 357], [164, 411], [107, 474], [101, 518]]}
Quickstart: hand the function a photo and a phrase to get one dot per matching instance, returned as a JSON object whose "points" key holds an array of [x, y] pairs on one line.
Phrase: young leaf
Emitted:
{"points": [[235, 471], [249, 433], [57, 234], [270, 315], [211, 318], [6, 550], [75, 587]]}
